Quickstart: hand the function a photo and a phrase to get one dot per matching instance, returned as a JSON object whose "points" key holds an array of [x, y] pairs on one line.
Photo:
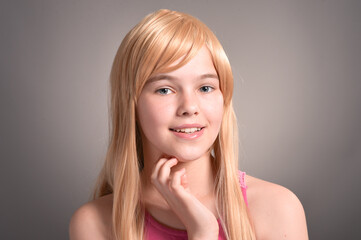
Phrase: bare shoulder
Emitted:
{"points": [[276, 212], [92, 220]]}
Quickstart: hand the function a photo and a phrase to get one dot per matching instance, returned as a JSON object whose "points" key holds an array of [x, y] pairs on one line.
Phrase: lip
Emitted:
{"points": [[188, 136], [194, 125]]}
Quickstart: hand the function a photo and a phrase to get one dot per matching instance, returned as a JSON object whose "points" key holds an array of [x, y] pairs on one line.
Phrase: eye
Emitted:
{"points": [[206, 89], [164, 91]]}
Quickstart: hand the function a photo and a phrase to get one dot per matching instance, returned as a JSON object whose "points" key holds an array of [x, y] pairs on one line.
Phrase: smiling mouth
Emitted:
{"points": [[187, 130]]}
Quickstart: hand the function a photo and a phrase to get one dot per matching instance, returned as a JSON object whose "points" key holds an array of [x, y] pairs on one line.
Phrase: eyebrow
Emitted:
{"points": [[169, 77]]}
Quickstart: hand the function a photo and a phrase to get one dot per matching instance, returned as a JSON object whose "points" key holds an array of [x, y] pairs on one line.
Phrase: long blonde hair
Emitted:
{"points": [[149, 48]]}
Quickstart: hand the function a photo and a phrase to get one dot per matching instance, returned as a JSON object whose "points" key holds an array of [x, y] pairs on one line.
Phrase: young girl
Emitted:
{"points": [[171, 170]]}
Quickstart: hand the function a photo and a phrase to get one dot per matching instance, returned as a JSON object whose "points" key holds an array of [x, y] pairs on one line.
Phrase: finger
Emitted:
{"points": [[164, 171], [184, 182], [175, 183], [155, 171]]}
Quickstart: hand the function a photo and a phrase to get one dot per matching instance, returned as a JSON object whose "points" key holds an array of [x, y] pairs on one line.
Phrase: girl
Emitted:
{"points": [[171, 170]]}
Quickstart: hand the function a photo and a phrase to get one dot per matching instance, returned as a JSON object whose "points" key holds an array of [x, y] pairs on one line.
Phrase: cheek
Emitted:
{"points": [[153, 114], [214, 108]]}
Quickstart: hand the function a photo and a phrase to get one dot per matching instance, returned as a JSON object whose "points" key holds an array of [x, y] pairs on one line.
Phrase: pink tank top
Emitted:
{"points": [[157, 231]]}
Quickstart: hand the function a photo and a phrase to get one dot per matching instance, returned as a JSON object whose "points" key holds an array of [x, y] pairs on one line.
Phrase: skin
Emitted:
{"points": [[182, 97], [177, 179]]}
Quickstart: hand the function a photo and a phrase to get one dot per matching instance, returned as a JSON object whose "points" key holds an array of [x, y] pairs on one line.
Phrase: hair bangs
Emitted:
{"points": [[174, 41]]}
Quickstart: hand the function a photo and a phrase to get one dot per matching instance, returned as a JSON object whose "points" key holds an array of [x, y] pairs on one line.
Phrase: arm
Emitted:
{"points": [[92, 221], [289, 218], [276, 211]]}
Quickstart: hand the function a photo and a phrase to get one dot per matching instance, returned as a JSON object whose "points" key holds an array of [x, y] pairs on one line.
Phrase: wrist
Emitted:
{"points": [[215, 237], [210, 234]]}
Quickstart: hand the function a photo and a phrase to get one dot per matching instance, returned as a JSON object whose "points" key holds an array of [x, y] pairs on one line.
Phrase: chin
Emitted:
{"points": [[187, 157]]}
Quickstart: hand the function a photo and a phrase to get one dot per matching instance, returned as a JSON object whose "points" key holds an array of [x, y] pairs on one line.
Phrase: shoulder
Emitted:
{"points": [[276, 212], [92, 220]]}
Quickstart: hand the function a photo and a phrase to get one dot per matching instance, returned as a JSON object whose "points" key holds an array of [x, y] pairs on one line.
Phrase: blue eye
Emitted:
{"points": [[206, 89], [164, 91]]}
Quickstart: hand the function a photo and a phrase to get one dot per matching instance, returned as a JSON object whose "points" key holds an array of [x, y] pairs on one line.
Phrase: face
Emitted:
{"points": [[180, 112]]}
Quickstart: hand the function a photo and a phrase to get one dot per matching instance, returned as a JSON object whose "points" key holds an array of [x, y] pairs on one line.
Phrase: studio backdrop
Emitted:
{"points": [[297, 96]]}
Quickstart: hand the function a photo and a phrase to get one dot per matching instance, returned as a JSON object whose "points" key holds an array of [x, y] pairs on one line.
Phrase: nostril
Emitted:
{"points": [[188, 113], [188, 108]]}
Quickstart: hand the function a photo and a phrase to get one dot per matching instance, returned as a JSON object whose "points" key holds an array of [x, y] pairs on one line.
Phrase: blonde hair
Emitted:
{"points": [[149, 48]]}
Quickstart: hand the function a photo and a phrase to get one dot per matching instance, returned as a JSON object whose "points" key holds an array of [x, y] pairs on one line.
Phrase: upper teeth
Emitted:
{"points": [[187, 130]]}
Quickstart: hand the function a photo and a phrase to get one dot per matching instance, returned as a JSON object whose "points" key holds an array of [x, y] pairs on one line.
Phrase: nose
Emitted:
{"points": [[188, 104]]}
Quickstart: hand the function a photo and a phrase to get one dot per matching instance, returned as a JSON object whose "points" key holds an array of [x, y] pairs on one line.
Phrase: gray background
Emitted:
{"points": [[297, 96]]}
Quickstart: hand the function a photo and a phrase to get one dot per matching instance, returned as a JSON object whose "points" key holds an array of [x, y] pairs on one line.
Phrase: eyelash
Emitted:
{"points": [[204, 89]]}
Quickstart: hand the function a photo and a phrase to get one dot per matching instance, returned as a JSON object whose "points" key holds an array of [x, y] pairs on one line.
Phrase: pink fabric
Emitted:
{"points": [[157, 231], [241, 176]]}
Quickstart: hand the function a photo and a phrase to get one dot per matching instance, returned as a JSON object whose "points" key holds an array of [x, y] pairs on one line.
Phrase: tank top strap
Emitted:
{"points": [[241, 177]]}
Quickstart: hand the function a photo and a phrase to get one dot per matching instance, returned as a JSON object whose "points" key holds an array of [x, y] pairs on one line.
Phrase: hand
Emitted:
{"points": [[198, 220]]}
